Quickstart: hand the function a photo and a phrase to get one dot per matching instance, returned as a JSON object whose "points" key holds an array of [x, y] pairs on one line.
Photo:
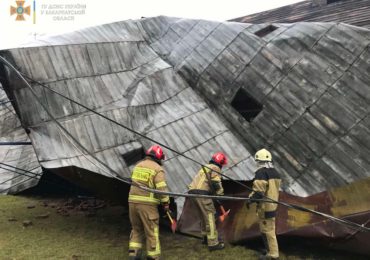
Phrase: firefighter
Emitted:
{"points": [[208, 182], [266, 184], [144, 216]]}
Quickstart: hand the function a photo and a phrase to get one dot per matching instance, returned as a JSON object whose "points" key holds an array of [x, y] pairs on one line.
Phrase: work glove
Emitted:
{"points": [[166, 208], [254, 195]]}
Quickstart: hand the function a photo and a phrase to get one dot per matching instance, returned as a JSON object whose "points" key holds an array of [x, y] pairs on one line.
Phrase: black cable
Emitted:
{"points": [[128, 181], [20, 169], [15, 143], [33, 176], [163, 193], [4, 102], [15, 177], [19, 183]]}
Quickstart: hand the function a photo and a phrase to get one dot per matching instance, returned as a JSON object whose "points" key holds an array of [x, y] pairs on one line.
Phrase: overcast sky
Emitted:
{"points": [[57, 16]]}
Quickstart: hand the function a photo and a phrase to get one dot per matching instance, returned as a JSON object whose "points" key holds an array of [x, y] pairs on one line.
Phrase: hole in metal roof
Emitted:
{"points": [[133, 156], [246, 105], [333, 1], [265, 31]]}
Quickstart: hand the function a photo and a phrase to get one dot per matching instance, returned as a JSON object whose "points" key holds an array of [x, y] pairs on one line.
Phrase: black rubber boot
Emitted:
{"points": [[219, 246], [204, 240], [134, 257], [265, 257], [221, 240]]}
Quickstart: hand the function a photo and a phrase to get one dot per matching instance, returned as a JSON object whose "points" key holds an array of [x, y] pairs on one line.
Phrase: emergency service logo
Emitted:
{"points": [[21, 10]]}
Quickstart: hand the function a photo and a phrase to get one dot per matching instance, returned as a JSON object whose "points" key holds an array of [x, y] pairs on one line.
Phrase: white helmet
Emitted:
{"points": [[263, 156]]}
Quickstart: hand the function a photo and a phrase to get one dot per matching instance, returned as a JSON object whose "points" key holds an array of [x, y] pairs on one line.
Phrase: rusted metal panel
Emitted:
{"points": [[350, 202]]}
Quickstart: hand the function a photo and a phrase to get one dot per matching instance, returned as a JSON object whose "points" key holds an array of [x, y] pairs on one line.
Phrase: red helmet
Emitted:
{"points": [[156, 152], [219, 158]]}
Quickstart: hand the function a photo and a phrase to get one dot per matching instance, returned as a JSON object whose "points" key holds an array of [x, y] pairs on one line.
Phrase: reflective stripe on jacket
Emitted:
{"points": [[149, 174], [201, 181]]}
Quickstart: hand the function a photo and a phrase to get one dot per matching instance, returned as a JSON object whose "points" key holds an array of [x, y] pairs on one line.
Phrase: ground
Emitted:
{"points": [[83, 228]]}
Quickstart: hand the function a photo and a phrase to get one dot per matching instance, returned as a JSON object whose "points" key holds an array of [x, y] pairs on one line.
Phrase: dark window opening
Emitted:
{"points": [[247, 106], [332, 1], [263, 32], [133, 156]]}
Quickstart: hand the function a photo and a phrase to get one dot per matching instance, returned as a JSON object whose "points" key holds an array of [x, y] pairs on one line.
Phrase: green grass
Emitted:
{"points": [[104, 236], [60, 237]]}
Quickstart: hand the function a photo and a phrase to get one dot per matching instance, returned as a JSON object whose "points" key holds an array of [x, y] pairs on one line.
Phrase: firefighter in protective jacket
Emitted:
{"points": [[266, 184], [144, 216], [208, 182]]}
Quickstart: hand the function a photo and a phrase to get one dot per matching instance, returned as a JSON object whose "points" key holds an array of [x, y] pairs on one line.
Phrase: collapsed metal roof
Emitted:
{"points": [[312, 80], [183, 82], [13, 180], [354, 12]]}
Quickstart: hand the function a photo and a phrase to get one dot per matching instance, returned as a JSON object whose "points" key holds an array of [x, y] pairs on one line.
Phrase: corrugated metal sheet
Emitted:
{"points": [[349, 202], [126, 80], [295, 73], [355, 12], [174, 80], [22, 157]]}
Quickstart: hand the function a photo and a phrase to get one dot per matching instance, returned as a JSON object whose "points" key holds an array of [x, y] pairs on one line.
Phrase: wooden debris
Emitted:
{"points": [[27, 223], [43, 216], [31, 206]]}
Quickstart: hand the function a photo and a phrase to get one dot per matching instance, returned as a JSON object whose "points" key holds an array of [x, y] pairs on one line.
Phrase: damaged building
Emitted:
{"points": [[354, 12], [300, 89], [19, 168]]}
